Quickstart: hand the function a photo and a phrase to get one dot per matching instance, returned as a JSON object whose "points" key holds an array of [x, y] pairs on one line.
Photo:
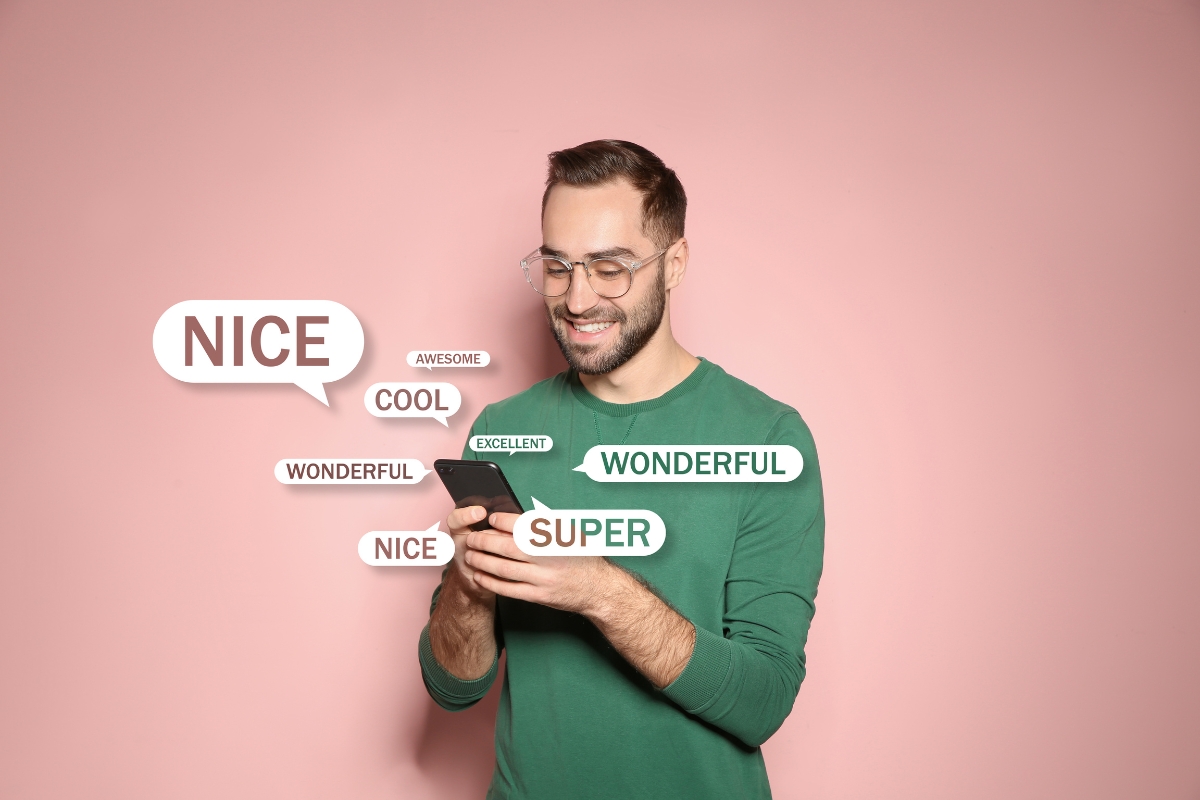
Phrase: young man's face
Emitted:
{"points": [[599, 334]]}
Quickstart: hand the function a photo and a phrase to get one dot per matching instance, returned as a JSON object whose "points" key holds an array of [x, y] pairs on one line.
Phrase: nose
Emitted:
{"points": [[580, 296]]}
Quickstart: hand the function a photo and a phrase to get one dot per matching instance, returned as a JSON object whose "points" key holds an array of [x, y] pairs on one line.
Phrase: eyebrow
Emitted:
{"points": [[611, 252]]}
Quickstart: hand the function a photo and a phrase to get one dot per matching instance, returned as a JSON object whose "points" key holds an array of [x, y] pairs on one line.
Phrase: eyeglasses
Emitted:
{"points": [[609, 277]]}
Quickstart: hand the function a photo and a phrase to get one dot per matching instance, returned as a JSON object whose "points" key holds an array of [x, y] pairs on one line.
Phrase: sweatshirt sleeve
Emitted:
{"points": [[447, 690], [745, 677]]}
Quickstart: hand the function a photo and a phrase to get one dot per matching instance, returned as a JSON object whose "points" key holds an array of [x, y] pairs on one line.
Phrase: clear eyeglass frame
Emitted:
{"points": [[534, 259]]}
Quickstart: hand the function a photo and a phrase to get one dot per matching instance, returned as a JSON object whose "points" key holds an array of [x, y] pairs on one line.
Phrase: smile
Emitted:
{"points": [[590, 327]]}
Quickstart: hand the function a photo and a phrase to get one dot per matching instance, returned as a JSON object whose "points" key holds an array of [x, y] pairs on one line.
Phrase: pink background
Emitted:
{"points": [[961, 238]]}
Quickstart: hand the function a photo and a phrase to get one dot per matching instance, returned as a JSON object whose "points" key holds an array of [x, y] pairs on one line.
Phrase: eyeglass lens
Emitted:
{"points": [[552, 277]]}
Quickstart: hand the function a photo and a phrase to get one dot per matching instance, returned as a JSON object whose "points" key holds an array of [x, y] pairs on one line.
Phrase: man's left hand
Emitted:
{"points": [[568, 583], [651, 635]]}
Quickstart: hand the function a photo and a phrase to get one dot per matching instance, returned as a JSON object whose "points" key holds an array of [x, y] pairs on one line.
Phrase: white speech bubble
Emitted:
{"points": [[693, 463], [588, 532], [427, 548], [435, 400], [305, 342], [448, 358], [354, 471], [510, 444]]}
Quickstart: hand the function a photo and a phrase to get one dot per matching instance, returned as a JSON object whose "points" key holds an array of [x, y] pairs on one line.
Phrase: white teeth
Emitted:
{"points": [[592, 327]]}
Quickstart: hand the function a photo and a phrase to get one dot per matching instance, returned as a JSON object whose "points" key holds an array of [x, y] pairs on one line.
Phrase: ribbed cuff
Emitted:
{"points": [[448, 690], [706, 672]]}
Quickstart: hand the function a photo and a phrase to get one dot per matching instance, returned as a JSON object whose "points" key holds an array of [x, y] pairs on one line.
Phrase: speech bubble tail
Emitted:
{"points": [[421, 473], [433, 527], [317, 390], [443, 421], [512, 452], [580, 468], [538, 505]]}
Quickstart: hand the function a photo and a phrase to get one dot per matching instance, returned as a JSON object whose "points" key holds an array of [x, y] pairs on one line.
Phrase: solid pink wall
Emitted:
{"points": [[961, 239]]}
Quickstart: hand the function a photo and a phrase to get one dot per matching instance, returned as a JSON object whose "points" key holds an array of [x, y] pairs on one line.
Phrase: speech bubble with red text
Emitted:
{"points": [[350, 471], [448, 358], [304, 342], [434, 400], [427, 548]]}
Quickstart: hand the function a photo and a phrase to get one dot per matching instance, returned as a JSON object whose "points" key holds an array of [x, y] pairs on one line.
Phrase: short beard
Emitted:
{"points": [[637, 329]]}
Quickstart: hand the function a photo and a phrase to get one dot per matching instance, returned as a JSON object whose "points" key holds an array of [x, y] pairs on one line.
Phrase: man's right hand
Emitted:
{"points": [[459, 522], [461, 630]]}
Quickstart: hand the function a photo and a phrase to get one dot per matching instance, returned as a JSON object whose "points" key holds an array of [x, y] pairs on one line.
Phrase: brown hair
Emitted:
{"points": [[664, 204]]}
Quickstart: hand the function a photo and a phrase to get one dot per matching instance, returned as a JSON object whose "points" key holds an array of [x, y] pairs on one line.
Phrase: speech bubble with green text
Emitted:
{"points": [[350, 471], [692, 463], [427, 548], [588, 532], [305, 342], [434, 400], [511, 444]]}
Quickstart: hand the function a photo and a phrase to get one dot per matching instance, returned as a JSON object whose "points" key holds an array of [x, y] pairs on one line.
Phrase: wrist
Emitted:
{"points": [[464, 593], [614, 587]]}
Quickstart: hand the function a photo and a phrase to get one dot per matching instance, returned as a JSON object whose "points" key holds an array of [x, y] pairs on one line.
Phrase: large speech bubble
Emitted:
{"points": [[511, 444], [354, 471], [428, 548], [692, 463], [435, 400], [589, 532], [305, 342], [448, 358]]}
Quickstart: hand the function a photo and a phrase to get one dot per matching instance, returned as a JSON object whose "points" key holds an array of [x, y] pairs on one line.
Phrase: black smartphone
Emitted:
{"points": [[477, 483]]}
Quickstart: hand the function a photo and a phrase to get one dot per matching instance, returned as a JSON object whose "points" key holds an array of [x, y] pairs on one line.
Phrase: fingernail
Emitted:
{"points": [[492, 520], [477, 513]]}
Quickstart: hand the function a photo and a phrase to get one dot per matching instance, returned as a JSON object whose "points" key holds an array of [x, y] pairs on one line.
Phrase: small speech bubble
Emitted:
{"points": [[436, 400], [510, 444], [448, 358], [406, 548], [370, 472], [305, 342], [592, 532], [693, 463]]}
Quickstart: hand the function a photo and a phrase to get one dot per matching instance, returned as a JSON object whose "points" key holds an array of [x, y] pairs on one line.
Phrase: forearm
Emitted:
{"points": [[462, 629], [653, 637]]}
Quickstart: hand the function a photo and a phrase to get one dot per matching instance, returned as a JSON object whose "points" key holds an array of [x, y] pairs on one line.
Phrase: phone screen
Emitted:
{"points": [[477, 483]]}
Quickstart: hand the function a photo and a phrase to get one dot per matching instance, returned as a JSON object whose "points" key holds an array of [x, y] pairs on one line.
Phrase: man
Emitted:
{"points": [[655, 676]]}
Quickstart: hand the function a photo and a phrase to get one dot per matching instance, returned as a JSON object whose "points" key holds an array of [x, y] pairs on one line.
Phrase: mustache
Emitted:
{"points": [[559, 312]]}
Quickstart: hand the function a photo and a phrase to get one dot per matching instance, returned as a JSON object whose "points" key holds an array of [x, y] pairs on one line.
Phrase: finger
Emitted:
{"points": [[514, 589], [499, 566], [503, 521], [461, 519], [502, 544]]}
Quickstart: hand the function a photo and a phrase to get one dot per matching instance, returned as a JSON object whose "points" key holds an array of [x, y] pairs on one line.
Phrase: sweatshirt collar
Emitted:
{"points": [[627, 409]]}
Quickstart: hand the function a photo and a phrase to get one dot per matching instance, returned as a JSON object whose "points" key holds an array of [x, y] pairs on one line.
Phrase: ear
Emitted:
{"points": [[675, 262]]}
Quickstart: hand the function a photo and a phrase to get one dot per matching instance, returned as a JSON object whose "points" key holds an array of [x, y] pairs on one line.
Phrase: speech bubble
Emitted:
{"points": [[590, 532], [435, 400], [510, 444], [305, 342], [448, 358], [692, 463], [356, 471], [427, 548]]}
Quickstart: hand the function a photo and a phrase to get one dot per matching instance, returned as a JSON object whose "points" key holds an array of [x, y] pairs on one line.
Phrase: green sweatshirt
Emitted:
{"points": [[741, 561]]}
